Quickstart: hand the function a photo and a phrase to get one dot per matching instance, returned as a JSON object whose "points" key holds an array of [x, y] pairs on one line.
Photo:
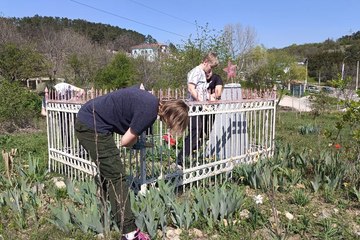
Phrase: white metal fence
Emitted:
{"points": [[237, 129]]}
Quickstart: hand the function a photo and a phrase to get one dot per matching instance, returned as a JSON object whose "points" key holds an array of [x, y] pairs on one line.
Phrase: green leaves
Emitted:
{"points": [[160, 206], [119, 73], [182, 214], [85, 210], [308, 129], [217, 204], [300, 197], [152, 209], [18, 63], [23, 194], [18, 106], [356, 192], [61, 218], [87, 218]]}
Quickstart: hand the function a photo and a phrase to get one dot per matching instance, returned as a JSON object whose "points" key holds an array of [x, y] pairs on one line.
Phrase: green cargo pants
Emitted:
{"points": [[104, 152]]}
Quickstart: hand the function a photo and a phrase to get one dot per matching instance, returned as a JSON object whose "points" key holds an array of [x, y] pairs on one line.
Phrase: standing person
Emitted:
{"points": [[197, 88], [129, 112]]}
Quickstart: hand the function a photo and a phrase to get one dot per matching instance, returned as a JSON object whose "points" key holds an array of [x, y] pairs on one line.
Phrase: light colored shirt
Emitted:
{"points": [[63, 88], [197, 77]]}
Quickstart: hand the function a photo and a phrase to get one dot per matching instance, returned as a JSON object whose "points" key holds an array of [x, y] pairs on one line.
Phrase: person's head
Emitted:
{"points": [[175, 114], [208, 75], [210, 61]]}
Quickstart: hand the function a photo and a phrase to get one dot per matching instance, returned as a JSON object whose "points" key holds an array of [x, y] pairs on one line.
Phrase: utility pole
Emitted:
{"points": [[306, 72]]}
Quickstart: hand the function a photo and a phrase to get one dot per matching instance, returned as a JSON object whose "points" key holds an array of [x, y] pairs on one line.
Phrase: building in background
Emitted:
{"points": [[150, 51]]}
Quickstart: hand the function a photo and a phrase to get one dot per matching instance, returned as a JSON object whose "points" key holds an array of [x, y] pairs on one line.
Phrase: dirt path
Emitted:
{"points": [[300, 104]]}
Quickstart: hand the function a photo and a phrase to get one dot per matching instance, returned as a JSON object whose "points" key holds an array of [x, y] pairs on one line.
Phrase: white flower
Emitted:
{"points": [[258, 199], [289, 215]]}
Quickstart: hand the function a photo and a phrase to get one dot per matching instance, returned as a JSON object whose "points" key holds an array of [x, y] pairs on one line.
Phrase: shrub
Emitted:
{"points": [[18, 107], [321, 103]]}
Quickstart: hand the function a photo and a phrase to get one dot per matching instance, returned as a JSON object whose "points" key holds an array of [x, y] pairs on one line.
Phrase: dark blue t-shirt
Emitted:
{"points": [[120, 110]]}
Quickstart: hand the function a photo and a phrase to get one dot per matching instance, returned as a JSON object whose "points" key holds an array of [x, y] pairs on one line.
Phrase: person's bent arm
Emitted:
{"points": [[129, 138], [218, 91], [192, 91]]}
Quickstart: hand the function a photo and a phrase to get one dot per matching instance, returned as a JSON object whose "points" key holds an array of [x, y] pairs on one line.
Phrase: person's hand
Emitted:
{"points": [[212, 97], [138, 146], [142, 145]]}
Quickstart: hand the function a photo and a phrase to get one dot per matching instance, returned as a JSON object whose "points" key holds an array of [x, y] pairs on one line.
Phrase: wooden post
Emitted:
{"points": [[8, 159]]}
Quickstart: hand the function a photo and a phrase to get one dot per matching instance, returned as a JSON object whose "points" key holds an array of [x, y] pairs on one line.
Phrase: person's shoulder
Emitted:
{"points": [[137, 90], [196, 74], [217, 79], [133, 88], [196, 70]]}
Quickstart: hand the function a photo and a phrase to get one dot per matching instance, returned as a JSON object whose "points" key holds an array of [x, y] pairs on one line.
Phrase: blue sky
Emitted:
{"points": [[277, 23]]}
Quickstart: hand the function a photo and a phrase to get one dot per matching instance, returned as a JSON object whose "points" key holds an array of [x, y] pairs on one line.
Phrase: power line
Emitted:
{"points": [[128, 19], [156, 10]]}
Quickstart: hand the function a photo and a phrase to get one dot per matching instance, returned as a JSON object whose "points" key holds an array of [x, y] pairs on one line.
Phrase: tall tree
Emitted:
{"points": [[9, 33], [184, 57], [240, 41], [149, 39], [119, 73], [20, 63]]}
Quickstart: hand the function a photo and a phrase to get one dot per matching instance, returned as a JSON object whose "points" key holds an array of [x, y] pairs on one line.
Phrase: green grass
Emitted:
{"points": [[288, 126], [33, 143]]}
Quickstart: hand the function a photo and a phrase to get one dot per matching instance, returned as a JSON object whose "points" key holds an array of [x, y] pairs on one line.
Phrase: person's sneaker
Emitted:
{"points": [[142, 236], [138, 235]]}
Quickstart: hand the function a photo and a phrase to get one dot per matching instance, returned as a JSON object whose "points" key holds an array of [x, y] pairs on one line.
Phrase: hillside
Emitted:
{"points": [[327, 58], [114, 38]]}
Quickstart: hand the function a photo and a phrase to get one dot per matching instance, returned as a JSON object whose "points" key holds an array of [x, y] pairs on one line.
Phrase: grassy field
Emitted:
{"points": [[303, 131], [309, 190]]}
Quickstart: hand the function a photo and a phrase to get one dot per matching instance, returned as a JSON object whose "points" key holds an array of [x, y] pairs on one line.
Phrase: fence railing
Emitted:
{"points": [[225, 133]]}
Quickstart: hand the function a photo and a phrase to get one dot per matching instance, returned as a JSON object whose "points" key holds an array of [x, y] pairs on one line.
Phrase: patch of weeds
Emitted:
{"points": [[356, 192], [302, 225], [343, 203], [328, 230], [256, 219], [230, 232], [329, 195], [308, 129], [300, 198], [61, 193]]}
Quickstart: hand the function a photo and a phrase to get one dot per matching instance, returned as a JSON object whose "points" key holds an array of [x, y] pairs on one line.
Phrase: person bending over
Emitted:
{"points": [[128, 112]]}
